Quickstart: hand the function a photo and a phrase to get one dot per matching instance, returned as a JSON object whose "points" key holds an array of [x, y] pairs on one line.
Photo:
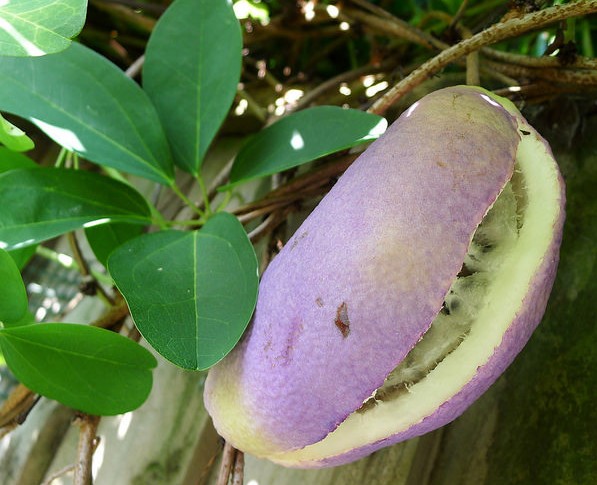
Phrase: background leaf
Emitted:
{"points": [[304, 136], [10, 160], [61, 200], [22, 256], [87, 104], [191, 71], [191, 294], [87, 368], [14, 138], [105, 238], [38, 27], [13, 296]]}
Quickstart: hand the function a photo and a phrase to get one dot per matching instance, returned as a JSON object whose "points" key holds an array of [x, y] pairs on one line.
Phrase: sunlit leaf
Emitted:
{"points": [[87, 368], [13, 296], [105, 238], [192, 68], [38, 27], [14, 138], [61, 200], [87, 104], [302, 137], [191, 294]]}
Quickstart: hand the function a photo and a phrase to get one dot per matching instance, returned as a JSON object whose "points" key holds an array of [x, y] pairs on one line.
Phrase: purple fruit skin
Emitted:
{"points": [[513, 342], [362, 279]]}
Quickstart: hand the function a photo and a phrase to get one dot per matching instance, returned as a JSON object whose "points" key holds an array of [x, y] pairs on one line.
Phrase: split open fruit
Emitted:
{"points": [[405, 294]]}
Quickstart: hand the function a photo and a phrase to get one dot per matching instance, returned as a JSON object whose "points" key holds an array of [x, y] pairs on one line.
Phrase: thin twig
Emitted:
{"points": [[228, 457], [270, 222], [567, 76], [87, 443], [113, 316], [537, 90], [18, 403], [472, 60], [335, 81], [57, 474], [383, 20], [497, 32], [149, 7], [538, 62], [91, 284], [220, 178], [458, 15], [135, 68], [238, 472]]}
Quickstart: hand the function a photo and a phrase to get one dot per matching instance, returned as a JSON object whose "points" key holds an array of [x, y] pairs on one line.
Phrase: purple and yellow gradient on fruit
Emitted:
{"points": [[405, 294]]}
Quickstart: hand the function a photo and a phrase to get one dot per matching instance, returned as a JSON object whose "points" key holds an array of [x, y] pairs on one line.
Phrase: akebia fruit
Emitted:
{"points": [[405, 293]]}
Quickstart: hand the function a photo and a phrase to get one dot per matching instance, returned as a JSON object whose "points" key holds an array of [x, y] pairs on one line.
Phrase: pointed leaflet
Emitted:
{"points": [[10, 160], [304, 136], [87, 368], [14, 138], [41, 203], [38, 27], [192, 68], [13, 296], [87, 104], [105, 238], [191, 294]]}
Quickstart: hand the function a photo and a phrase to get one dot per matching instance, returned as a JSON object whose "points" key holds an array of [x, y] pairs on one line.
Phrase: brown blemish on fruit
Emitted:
{"points": [[319, 302], [285, 354], [342, 321]]}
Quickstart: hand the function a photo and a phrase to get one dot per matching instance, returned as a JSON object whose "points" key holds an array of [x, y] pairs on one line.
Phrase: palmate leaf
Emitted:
{"points": [[87, 368], [87, 104], [191, 71], [13, 296], [39, 27], [41, 203], [191, 294], [302, 137]]}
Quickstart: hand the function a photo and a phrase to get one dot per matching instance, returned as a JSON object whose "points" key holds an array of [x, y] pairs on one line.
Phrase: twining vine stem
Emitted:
{"points": [[87, 443], [496, 33]]}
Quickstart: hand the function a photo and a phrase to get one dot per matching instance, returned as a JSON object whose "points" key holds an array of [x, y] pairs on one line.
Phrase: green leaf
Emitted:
{"points": [[61, 200], [88, 105], [22, 256], [39, 27], [191, 294], [10, 160], [14, 138], [13, 296], [87, 368], [191, 72], [302, 137], [105, 238]]}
